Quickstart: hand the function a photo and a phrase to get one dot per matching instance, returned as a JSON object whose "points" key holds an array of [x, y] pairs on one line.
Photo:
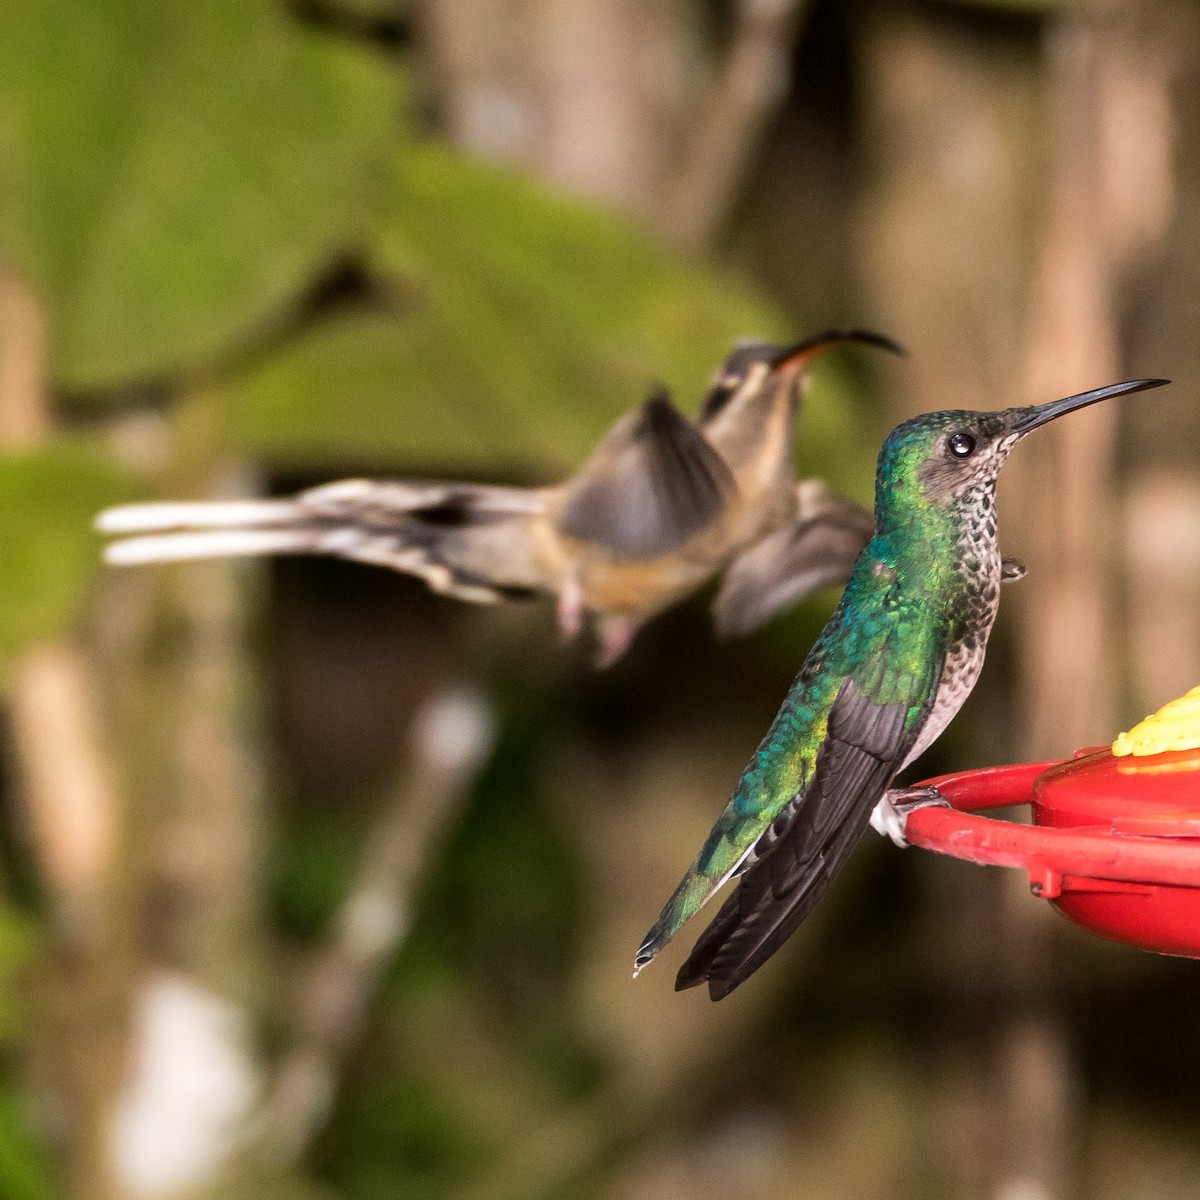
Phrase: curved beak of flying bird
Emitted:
{"points": [[799, 354]]}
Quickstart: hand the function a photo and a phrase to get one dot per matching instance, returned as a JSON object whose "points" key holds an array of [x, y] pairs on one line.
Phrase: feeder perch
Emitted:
{"points": [[1115, 839]]}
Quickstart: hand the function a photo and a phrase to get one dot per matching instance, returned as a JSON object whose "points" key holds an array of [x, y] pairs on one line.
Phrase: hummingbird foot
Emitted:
{"points": [[890, 815], [570, 609], [1011, 570], [613, 636]]}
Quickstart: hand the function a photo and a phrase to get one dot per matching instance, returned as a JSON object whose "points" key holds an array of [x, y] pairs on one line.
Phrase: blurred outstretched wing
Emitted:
{"points": [[807, 845], [651, 485], [817, 549]]}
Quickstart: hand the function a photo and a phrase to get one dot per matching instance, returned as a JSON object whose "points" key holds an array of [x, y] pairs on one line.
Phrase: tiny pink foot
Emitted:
{"points": [[569, 609], [613, 635]]}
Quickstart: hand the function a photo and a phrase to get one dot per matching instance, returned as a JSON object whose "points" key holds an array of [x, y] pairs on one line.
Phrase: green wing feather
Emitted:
{"points": [[880, 647]]}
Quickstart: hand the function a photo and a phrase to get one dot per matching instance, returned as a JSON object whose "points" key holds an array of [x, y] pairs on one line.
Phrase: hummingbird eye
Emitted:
{"points": [[961, 445]]}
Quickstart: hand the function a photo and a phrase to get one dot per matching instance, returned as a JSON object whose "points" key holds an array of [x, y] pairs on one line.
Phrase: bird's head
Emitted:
{"points": [[753, 366], [942, 457]]}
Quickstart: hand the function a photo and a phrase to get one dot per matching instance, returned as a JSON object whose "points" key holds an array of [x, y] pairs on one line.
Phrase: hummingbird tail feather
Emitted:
{"points": [[178, 547], [685, 901], [160, 517], [751, 925], [693, 893], [661, 932], [173, 532], [463, 540], [865, 744]]}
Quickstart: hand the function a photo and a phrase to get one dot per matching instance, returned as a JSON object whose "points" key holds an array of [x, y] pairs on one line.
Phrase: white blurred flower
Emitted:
{"points": [[191, 1086]]}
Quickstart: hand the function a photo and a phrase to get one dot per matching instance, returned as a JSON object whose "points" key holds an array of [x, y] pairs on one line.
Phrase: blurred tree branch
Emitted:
{"points": [[69, 791], [24, 413], [747, 86], [450, 740], [1110, 194], [616, 99]]}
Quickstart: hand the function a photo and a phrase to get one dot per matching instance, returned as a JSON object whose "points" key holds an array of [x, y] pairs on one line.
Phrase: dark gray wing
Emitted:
{"points": [[651, 485], [807, 846], [816, 550]]}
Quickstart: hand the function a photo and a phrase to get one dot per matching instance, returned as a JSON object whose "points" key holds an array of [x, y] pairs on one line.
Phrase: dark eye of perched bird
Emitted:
{"points": [[961, 445]]}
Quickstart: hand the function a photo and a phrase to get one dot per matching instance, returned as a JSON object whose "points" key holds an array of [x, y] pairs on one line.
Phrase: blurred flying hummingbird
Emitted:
{"points": [[661, 506], [897, 659]]}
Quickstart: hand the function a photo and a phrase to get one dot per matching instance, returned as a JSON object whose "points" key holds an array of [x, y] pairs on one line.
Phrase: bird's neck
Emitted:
{"points": [[947, 549], [754, 432]]}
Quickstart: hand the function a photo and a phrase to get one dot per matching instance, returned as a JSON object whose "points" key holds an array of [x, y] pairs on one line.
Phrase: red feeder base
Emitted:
{"points": [[1115, 845]]}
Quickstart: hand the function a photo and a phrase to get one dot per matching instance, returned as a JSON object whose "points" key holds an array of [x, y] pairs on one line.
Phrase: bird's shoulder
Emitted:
{"points": [[885, 636]]}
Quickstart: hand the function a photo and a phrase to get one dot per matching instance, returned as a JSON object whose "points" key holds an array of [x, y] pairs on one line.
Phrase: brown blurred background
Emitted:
{"points": [[314, 885]]}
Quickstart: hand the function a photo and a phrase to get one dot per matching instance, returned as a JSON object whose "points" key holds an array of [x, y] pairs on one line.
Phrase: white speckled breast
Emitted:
{"points": [[979, 574]]}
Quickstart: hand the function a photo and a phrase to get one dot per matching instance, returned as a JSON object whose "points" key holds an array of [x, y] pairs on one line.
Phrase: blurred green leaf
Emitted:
{"points": [[358, 14], [371, 388], [315, 856], [527, 322], [24, 1173], [171, 174], [20, 942], [48, 552], [257, 1180], [409, 1137]]}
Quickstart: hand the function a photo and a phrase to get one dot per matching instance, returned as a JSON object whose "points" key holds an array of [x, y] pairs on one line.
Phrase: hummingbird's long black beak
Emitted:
{"points": [[800, 352], [1030, 418]]}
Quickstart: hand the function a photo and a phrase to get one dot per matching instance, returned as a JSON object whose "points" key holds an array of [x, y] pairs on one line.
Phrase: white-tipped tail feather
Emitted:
{"points": [[155, 518], [176, 547], [172, 532], [469, 541]]}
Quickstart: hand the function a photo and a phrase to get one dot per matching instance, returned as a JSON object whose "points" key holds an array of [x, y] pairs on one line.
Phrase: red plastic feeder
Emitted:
{"points": [[1115, 844]]}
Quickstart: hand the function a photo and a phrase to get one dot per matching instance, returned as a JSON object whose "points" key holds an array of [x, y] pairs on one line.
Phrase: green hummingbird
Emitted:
{"points": [[894, 664]]}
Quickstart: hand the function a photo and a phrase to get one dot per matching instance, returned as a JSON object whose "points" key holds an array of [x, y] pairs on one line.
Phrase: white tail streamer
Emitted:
{"points": [[153, 518], [176, 547]]}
